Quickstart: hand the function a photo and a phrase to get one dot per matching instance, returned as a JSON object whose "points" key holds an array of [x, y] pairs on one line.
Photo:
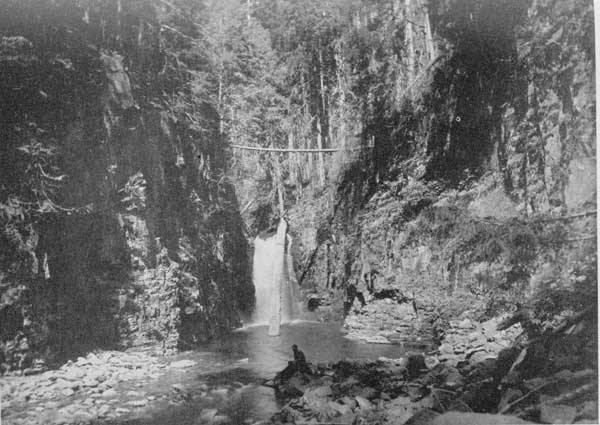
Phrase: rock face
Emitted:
{"points": [[459, 217], [137, 244]]}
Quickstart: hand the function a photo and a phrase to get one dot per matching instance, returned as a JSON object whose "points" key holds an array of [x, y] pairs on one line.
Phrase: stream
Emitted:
{"points": [[229, 373], [227, 377], [220, 382]]}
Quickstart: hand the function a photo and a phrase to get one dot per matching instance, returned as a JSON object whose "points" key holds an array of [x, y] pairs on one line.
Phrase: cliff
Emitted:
{"points": [[478, 190], [119, 228]]}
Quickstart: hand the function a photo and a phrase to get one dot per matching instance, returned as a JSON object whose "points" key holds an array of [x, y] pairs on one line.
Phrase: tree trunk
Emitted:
{"points": [[221, 66], [342, 100], [307, 131], [320, 147], [328, 267], [220, 103], [278, 185], [321, 79], [431, 51], [410, 44]]}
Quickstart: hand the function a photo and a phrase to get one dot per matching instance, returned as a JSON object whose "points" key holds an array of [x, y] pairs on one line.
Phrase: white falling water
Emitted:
{"points": [[274, 281]]}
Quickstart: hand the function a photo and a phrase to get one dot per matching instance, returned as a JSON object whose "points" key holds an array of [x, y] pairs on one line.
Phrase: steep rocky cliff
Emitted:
{"points": [[118, 225], [479, 189]]}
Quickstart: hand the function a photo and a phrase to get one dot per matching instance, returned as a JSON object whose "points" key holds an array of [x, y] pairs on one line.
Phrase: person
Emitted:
{"points": [[299, 357], [351, 294], [300, 360], [369, 278]]}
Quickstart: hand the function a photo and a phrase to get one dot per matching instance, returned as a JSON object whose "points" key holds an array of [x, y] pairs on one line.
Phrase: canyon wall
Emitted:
{"points": [[119, 227]]}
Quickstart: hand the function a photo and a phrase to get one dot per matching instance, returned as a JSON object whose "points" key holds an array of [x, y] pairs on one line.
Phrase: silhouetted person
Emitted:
{"points": [[300, 360], [298, 355], [369, 277], [351, 294]]}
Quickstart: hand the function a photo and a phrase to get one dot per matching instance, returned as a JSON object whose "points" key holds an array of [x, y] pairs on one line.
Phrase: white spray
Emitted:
{"points": [[275, 281]]}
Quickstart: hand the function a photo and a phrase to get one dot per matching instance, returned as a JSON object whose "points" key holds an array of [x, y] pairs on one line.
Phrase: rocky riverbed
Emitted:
{"points": [[488, 367], [114, 387], [479, 374]]}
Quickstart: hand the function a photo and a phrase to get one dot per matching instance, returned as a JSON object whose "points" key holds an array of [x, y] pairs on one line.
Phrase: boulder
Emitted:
{"points": [[220, 419], [363, 403], [465, 324], [453, 380], [342, 409], [104, 410], [82, 416], [322, 391], [74, 374], [510, 395], [469, 418], [110, 393], [67, 392], [182, 364], [207, 415], [138, 403], [90, 382], [369, 393], [557, 414]]}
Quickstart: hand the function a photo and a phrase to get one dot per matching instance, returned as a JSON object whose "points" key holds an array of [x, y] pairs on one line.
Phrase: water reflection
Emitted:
{"points": [[230, 371], [321, 342]]}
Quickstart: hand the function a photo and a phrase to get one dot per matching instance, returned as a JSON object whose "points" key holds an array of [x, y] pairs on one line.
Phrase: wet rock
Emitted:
{"points": [[454, 380], [67, 392], [90, 382], [207, 415], [322, 391], [376, 339], [294, 387], [466, 324], [557, 414], [508, 396], [138, 403], [363, 403], [589, 410], [341, 409], [431, 362], [104, 410], [423, 417], [401, 409], [446, 348], [178, 388], [88, 401], [220, 419], [348, 383], [220, 392], [182, 364], [97, 375], [416, 392], [350, 402], [82, 416], [369, 393], [51, 404], [468, 418], [122, 411], [313, 303], [110, 393], [74, 374]]}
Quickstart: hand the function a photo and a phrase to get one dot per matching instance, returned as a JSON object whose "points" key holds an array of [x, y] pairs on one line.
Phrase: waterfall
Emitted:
{"points": [[275, 283]]}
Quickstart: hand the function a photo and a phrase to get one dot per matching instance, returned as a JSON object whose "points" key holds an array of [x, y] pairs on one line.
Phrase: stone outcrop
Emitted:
{"points": [[138, 240]]}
